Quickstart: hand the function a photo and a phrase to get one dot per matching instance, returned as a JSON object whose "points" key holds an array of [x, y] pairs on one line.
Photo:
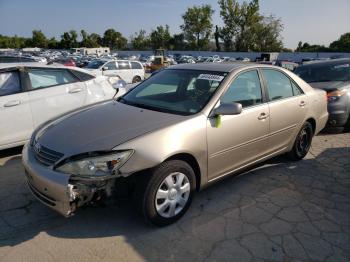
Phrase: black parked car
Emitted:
{"points": [[333, 76]]}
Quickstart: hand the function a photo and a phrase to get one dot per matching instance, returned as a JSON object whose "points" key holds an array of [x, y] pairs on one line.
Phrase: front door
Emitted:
{"points": [[242, 138]]}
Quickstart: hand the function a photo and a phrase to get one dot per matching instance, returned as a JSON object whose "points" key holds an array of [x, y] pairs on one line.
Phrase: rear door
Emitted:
{"points": [[53, 91], [288, 107], [15, 116], [124, 71]]}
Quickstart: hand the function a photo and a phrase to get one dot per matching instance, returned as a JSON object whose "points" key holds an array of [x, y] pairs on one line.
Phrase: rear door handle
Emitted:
{"points": [[75, 90], [302, 104], [12, 103], [263, 116]]}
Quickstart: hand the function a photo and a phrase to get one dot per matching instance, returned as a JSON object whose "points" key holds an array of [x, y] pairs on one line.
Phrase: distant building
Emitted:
{"points": [[91, 51], [31, 49], [3, 50]]}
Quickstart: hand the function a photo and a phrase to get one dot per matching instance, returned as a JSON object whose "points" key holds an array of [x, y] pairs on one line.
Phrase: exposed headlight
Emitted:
{"points": [[97, 166]]}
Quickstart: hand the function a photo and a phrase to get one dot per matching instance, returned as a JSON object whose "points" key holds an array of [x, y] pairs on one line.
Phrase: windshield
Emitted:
{"points": [[183, 92], [324, 73], [95, 64]]}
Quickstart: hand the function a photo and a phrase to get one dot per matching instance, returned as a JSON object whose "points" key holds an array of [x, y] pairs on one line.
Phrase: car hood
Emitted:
{"points": [[330, 86], [102, 127]]}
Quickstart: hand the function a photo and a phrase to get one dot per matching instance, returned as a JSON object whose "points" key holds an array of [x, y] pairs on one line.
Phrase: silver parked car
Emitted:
{"points": [[178, 131]]}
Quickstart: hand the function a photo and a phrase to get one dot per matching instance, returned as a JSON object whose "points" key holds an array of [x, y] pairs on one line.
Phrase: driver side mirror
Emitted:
{"points": [[105, 68], [119, 84], [228, 109]]}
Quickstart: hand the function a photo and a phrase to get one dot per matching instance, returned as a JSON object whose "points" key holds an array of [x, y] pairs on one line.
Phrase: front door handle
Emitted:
{"points": [[12, 103], [75, 90], [263, 116]]}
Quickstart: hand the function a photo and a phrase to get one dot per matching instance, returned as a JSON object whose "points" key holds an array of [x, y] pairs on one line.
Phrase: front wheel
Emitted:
{"points": [[302, 142], [166, 194]]}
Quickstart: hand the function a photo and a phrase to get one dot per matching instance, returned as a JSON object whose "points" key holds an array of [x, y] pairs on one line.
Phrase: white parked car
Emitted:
{"points": [[129, 71], [31, 93]]}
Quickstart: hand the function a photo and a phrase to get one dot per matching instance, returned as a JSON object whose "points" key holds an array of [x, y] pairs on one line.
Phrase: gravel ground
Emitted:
{"points": [[280, 211]]}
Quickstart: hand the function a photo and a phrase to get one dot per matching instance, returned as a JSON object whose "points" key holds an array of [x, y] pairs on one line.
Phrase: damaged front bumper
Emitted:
{"points": [[63, 193]]}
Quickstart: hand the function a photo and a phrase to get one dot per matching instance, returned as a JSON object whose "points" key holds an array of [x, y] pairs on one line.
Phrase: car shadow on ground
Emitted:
{"points": [[20, 223]]}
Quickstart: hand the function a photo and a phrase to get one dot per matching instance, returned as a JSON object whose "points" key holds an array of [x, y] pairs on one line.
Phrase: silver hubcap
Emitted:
{"points": [[172, 195]]}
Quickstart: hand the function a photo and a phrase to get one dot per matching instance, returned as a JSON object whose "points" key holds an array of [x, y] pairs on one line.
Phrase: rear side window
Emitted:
{"points": [[9, 83], [136, 65], [123, 65], [40, 78], [82, 76], [245, 89], [278, 85]]}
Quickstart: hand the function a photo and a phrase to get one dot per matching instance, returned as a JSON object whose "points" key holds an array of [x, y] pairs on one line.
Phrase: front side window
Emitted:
{"points": [[122, 65], [110, 66], [245, 89], [183, 92], [279, 85], [40, 78], [9, 83]]}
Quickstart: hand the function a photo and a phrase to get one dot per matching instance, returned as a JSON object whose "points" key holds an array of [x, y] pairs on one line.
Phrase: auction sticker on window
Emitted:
{"points": [[210, 77]]}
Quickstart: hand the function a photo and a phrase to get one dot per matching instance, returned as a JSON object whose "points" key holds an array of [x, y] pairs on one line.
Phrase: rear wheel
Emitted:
{"points": [[302, 142], [347, 125], [165, 195], [136, 79]]}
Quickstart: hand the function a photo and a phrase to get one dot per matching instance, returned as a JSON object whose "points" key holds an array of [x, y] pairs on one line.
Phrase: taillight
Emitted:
{"points": [[334, 95]]}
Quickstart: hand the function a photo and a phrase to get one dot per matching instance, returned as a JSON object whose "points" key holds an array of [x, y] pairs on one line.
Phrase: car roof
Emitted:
{"points": [[41, 65], [218, 67], [327, 62]]}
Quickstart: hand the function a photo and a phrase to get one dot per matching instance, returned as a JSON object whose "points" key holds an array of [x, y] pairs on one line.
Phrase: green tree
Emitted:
{"points": [[197, 26], [245, 29], [177, 42], [69, 40], [114, 39], [38, 39], [342, 44], [140, 41], [52, 43], [267, 35], [160, 37]]}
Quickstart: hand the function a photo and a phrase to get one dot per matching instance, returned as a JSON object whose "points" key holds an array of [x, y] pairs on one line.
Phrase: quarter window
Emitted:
{"points": [[136, 65], [296, 89], [9, 83], [245, 89], [40, 78], [278, 85]]}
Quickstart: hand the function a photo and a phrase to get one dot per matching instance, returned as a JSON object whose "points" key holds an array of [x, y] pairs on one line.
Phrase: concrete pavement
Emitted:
{"points": [[280, 211]]}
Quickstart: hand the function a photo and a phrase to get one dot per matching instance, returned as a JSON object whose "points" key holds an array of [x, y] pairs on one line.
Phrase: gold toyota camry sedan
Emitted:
{"points": [[173, 134]]}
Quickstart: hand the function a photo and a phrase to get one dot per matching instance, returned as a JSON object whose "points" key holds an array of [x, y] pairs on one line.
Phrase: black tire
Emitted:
{"points": [[136, 79], [302, 142], [148, 185], [347, 125]]}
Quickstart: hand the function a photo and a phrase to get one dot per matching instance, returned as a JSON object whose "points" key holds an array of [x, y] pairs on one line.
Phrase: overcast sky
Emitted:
{"points": [[313, 21]]}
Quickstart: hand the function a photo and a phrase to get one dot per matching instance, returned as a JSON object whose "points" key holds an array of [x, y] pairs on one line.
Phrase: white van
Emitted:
{"points": [[129, 71]]}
